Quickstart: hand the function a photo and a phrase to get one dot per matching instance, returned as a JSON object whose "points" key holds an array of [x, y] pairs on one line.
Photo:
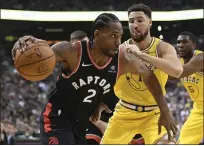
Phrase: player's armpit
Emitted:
{"points": [[194, 65]]}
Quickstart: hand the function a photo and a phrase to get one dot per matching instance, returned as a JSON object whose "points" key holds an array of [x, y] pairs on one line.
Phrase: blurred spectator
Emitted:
{"points": [[3, 138]]}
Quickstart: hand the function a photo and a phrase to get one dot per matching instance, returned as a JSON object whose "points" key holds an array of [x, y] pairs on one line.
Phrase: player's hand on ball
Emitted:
{"points": [[97, 113], [23, 43], [133, 49], [166, 119]]}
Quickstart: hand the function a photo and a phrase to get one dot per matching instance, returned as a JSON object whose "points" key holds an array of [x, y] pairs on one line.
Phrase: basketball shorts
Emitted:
{"points": [[125, 123], [192, 130], [93, 134]]}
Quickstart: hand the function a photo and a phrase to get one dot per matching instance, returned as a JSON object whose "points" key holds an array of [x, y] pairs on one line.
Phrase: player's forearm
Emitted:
{"points": [[164, 65], [155, 89], [101, 125]]}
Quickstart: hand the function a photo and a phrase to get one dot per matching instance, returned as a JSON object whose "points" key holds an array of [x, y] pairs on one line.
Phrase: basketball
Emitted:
{"points": [[36, 63]]}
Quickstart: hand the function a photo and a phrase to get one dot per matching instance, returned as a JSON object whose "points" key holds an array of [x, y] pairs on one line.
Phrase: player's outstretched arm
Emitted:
{"points": [[168, 61], [194, 65]]}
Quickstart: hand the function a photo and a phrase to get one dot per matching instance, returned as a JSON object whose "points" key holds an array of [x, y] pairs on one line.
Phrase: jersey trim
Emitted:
{"points": [[194, 54], [157, 54], [94, 137], [78, 63], [92, 61], [46, 113], [119, 54], [151, 44]]}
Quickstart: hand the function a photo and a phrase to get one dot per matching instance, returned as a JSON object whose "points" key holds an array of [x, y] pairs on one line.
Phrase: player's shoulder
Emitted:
{"points": [[163, 45], [198, 56], [197, 52]]}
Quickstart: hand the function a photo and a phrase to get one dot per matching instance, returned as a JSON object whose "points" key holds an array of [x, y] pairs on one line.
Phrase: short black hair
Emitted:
{"points": [[140, 7], [103, 21], [190, 35], [78, 34]]}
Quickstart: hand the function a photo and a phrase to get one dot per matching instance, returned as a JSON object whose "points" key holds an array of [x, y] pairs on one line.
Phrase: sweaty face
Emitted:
{"points": [[184, 45], [109, 38], [139, 25]]}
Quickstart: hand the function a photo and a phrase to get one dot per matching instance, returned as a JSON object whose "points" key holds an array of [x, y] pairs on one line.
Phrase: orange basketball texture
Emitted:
{"points": [[36, 63]]}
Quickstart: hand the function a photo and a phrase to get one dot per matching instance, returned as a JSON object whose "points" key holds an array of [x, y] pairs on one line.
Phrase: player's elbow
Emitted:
{"points": [[177, 71]]}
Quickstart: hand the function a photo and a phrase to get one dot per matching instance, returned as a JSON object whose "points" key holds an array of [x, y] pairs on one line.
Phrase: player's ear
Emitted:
{"points": [[96, 34], [150, 22], [194, 45]]}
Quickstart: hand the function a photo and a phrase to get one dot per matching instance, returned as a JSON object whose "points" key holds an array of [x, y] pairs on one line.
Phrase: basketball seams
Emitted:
{"points": [[35, 62], [29, 49], [44, 73]]}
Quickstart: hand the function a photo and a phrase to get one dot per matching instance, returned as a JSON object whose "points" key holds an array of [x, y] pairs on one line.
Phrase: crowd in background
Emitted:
{"points": [[95, 5]]}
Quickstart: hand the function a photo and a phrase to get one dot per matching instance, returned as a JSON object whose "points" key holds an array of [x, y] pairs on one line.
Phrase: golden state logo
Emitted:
{"points": [[135, 82]]}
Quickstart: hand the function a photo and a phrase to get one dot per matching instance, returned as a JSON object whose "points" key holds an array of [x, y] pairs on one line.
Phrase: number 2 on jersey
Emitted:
{"points": [[88, 98]]}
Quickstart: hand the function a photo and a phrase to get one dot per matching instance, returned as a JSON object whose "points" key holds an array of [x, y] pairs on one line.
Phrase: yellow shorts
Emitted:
{"points": [[192, 130], [126, 123]]}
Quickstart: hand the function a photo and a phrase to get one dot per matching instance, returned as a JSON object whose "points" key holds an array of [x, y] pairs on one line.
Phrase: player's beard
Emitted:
{"points": [[141, 37]]}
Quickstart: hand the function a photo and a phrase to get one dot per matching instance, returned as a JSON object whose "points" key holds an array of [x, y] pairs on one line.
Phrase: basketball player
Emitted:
{"points": [[192, 79], [96, 129], [94, 67], [138, 112]]}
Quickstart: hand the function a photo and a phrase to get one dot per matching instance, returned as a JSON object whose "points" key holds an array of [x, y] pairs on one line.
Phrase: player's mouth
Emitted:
{"points": [[136, 33], [181, 52]]}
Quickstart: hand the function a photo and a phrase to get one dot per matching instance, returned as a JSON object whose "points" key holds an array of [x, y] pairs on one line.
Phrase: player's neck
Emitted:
{"points": [[145, 43], [188, 56], [99, 58]]}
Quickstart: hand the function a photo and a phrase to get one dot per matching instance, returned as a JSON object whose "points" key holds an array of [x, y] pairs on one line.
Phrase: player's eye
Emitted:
{"points": [[131, 20], [113, 36]]}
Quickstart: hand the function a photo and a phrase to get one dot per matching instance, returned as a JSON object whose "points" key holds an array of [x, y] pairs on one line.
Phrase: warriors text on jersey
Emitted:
{"points": [[130, 87], [76, 96], [194, 83]]}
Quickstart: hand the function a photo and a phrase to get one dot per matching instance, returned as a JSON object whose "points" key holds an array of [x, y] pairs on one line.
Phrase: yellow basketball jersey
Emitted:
{"points": [[130, 87], [194, 83]]}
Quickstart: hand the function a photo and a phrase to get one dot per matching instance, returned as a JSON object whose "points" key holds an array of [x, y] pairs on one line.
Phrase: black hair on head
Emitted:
{"points": [[103, 21], [140, 7], [190, 35]]}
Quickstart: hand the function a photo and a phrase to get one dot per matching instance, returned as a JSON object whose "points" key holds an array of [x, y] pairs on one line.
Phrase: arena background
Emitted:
{"points": [[21, 100]]}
